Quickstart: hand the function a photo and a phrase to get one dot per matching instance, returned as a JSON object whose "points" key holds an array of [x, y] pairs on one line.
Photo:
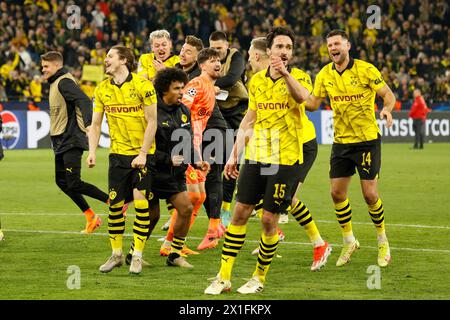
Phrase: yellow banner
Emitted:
{"points": [[93, 73]]}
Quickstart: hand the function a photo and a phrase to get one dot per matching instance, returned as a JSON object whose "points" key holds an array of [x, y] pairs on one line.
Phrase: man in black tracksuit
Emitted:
{"points": [[174, 151], [235, 105], [70, 118]]}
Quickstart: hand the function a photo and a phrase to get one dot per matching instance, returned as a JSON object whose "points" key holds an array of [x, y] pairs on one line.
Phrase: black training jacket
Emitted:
{"points": [[73, 137], [171, 118]]}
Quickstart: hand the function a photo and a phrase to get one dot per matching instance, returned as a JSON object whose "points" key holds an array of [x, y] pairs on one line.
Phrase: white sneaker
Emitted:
{"points": [[283, 219], [115, 261], [218, 286], [166, 225], [175, 260], [252, 286], [136, 265]]}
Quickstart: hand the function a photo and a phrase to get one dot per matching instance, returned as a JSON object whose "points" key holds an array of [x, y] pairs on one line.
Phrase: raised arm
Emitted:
{"points": [[313, 102]]}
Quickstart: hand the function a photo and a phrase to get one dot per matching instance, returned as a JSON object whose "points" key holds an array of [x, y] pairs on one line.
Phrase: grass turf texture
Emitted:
{"points": [[42, 225]]}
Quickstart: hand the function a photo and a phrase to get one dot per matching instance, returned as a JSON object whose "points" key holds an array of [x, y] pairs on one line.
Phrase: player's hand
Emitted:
{"points": [[177, 160], [385, 114], [158, 65], [278, 65], [139, 161], [216, 89], [230, 171], [203, 166], [90, 160]]}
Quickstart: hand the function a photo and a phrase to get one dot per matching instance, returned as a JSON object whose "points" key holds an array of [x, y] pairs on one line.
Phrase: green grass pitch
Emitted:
{"points": [[43, 243]]}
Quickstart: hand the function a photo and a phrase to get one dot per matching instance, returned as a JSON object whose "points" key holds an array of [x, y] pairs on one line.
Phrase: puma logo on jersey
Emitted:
{"points": [[69, 169], [165, 123]]}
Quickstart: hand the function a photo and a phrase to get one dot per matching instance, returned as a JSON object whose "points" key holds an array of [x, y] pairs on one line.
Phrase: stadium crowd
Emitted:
{"points": [[410, 48]]}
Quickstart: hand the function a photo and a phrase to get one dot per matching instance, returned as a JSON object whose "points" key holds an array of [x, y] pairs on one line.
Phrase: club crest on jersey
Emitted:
{"points": [[354, 81], [112, 194], [184, 118]]}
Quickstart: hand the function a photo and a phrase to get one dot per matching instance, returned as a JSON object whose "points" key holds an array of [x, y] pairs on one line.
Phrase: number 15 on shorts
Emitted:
{"points": [[280, 190]]}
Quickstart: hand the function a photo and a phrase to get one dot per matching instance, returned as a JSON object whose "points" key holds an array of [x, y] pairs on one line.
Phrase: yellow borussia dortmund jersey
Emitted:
{"points": [[278, 134], [145, 66], [124, 108], [352, 97]]}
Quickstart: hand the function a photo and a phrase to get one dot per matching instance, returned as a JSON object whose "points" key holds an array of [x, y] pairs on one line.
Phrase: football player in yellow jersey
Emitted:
{"points": [[259, 60], [272, 132], [129, 102], [160, 57], [351, 85]]}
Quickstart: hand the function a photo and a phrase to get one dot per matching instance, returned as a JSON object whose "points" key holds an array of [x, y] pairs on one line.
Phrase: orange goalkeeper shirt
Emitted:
{"points": [[200, 97]]}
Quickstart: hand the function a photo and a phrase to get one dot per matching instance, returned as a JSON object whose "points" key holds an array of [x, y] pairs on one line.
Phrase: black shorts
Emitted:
{"points": [[122, 178], [364, 156], [309, 156], [275, 184], [165, 184]]}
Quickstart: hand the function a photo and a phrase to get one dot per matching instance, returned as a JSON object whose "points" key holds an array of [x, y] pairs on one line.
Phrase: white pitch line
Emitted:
{"points": [[400, 225], [197, 238], [394, 225]]}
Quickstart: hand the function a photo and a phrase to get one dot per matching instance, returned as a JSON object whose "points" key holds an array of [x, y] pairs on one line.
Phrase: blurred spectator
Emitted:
{"points": [[412, 42], [418, 113], [88, 88], [36, 89]]}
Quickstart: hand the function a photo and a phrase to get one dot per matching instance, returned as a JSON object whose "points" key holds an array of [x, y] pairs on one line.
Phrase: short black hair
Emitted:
{"points": [[279, 31], [166, 76], [206, 54], [218, 35], [337, 32]]}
